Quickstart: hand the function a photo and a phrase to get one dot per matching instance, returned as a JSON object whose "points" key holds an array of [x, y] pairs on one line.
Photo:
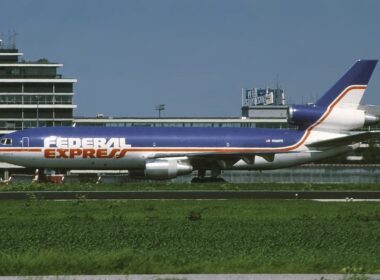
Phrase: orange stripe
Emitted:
{"points": [[328, 112], [21, 150]]}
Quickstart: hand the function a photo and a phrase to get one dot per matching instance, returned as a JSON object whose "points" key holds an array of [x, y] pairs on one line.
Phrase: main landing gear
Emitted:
{"points": [[214, 178], [47, 176]]}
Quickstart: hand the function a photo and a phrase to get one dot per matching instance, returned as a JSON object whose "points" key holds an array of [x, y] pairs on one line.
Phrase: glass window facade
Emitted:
{"points": [[63, 87], [10, 113], [33, 99], [63, 99], [10, 87], [17, 72], [10, 99], [10, 125], [38, 87], [63, 113]]}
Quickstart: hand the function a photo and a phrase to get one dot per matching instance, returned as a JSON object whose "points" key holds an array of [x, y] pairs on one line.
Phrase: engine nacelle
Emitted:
{"points": [[161, 169], [337, 118], [304, 115]]}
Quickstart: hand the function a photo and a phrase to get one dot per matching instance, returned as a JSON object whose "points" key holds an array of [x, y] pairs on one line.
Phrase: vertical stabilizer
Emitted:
{"points": [[348, 91]]}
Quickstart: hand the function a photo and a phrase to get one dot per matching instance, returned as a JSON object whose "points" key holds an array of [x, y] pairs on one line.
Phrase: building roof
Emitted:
{"points": [[38, 80], [10, 54], [31, 64]]}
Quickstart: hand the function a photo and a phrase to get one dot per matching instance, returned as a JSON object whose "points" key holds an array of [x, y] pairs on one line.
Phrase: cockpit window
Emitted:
{"points": [[6, 141]]}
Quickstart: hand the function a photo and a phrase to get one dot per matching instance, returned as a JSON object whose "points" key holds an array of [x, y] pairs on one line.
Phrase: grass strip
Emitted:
{"points": [[183, 186], [39, 237]]}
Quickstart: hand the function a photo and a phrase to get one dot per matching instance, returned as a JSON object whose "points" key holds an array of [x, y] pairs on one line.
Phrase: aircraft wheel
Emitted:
{"points": [[208, 180]]}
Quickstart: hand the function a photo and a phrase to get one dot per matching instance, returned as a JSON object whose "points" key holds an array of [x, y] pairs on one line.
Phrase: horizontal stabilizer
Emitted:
{"points": [[345, 140], [370, 109]]}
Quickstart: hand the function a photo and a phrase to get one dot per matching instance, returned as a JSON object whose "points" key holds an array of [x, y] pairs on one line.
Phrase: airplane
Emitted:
{"points": [[327, 128]]}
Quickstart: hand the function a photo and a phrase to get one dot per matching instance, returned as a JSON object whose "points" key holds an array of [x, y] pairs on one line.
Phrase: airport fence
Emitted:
{"points": [[332, 174]]}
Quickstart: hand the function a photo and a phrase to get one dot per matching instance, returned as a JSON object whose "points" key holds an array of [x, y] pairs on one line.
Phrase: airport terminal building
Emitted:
{"points": [[32, 93]]}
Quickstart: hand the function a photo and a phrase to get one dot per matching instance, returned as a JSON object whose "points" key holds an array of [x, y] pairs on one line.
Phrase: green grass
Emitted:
{"points": [[235, 236], [184, 186]]}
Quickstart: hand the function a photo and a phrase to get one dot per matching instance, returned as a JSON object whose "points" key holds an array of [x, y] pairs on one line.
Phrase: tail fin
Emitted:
{"points": [[349, 90]]}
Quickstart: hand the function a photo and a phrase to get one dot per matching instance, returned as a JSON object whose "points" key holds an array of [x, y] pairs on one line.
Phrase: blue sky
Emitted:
{"points": [[195, 56]]}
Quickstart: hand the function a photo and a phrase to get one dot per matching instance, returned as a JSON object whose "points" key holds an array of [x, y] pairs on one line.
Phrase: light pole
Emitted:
{"points": [[159, 108]]}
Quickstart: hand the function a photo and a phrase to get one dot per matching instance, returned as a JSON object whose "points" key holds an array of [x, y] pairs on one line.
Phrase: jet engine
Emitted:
{"points": [[342, 118], [304, 115], [162, 169]]}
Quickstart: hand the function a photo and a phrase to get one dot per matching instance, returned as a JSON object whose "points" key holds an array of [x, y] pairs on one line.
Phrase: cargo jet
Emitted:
{"points": [[325, 129]]}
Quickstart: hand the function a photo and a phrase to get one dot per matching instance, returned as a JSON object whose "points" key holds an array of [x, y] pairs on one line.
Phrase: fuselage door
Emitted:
{"points": [[25, 142]]}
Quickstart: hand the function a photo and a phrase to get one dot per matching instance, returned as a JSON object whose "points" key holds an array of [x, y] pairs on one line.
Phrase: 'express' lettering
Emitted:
{"points": [[85, 153]]}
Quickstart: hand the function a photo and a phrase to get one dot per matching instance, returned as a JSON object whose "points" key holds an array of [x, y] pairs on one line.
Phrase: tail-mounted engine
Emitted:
{"points": [[304, 115], [334, 118]]}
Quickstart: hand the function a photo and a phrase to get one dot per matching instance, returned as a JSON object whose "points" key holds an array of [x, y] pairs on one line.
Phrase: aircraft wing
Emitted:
{"points": [[345, 140], [217, 156]]}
